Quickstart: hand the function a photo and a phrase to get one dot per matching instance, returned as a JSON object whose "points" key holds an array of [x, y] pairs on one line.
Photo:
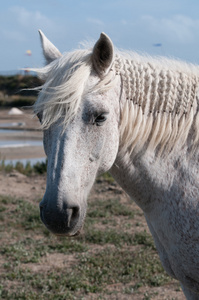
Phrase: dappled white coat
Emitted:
{"points": [[137, 117]]}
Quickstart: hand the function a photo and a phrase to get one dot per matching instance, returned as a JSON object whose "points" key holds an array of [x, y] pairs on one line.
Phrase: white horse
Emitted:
{"points": [[136, 117]]}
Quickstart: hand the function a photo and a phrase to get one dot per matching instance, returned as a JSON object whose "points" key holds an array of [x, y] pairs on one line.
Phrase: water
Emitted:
{"points": [[11, 138], [17, 144], [9, 131], [14, 124], [24, 161]]}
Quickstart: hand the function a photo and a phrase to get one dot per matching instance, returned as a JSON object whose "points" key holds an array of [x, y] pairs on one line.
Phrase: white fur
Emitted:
{"points": [[50, 51], [141, 122]]}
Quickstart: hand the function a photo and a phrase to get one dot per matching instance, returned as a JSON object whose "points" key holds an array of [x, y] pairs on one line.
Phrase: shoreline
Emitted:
{"points": [[29, 131]]}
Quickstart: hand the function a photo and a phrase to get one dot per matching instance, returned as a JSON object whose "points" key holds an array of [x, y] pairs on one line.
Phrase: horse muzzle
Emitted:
{"points": [[67, 221]]}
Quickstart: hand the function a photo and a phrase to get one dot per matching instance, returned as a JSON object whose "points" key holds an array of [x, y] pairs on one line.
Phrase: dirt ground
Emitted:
{"points": [[18, 185]]}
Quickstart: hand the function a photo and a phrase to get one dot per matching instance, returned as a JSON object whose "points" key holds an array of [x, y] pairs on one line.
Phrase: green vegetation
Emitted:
{"points": [[27, 169], [103, 255], [15, 90]]}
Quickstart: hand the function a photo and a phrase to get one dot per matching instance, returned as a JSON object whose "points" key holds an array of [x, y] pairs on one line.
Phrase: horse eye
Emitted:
{"points": [[100, 119]]}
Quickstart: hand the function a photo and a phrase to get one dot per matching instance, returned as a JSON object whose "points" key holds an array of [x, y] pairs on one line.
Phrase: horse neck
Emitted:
{"points": [[145, 177], [154, 92]]}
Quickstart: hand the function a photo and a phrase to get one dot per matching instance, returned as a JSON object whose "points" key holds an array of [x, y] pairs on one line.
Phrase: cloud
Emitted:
{"points": [[95, 21], [20, 26], [178, 27], [27, 19]]}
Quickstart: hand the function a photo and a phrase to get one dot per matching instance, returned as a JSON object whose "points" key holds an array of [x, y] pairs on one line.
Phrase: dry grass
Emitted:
{"points": [[113, 258]]}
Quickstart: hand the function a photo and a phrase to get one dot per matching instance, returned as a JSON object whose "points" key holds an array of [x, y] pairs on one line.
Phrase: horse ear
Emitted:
{"points": [[49, 50], [102, 56]]}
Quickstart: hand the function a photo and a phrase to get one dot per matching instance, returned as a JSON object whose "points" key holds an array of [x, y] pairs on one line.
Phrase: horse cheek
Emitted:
{"points": [[110, 151]]}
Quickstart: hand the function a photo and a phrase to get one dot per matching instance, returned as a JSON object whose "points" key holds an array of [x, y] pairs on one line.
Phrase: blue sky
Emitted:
{"points": [[132, 25]]}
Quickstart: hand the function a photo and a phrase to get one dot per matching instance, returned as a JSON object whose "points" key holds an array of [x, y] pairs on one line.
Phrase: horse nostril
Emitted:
{"points": [[73, 215], [75, 212], [63, 220]]}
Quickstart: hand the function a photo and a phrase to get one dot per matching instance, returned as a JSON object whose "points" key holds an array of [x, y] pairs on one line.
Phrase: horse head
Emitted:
{"points": [[81, 131]]}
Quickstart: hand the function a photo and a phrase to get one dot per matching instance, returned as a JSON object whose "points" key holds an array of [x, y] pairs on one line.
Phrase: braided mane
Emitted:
{"points": [[161, 102]]}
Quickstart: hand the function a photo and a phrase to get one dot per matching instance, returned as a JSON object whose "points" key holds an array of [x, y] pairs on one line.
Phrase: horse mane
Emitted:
{"points": [[161, 103], [65, 80], [65, 84], [161, 97]]}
